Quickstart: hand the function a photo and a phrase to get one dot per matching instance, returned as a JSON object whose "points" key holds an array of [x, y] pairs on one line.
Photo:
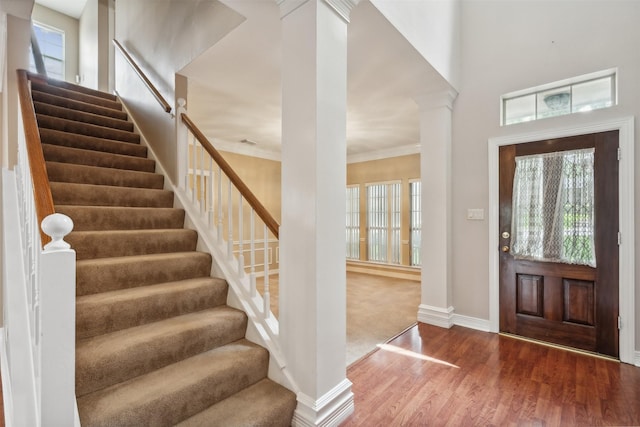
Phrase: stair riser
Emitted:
{"points": [[99, 195], [94, 244], [94, 276], [215, 380], [55, 137], [57, 153], [80, 128], [79, 116], [48, 98], [82, 174], [96, 218], [102, 314], [110, 361]]}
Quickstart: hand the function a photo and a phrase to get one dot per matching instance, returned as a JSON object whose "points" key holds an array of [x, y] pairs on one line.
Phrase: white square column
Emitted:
{"points": [[436, 305], [312, 237]]}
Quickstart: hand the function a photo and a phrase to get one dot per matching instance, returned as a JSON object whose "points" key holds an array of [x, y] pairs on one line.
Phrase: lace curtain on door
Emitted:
{"points": [[553, 213]]}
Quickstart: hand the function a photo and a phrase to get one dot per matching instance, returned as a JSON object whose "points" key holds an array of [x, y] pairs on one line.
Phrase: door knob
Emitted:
{"points": [[505, 248]]}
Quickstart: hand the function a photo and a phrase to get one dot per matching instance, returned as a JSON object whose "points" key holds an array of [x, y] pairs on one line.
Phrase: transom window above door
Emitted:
{"points": [[575, 95]]}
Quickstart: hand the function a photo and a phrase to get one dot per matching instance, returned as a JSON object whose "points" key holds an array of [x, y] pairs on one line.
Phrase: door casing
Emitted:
{"points": [[625, 126]]}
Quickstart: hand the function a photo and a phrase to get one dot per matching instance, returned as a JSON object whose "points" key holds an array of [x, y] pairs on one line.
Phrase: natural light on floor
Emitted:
{"points": [[405, 352]]}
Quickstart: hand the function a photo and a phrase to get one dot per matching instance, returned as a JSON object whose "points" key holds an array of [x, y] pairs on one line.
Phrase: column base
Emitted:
{"points": [[436, 316], [329, 410]]}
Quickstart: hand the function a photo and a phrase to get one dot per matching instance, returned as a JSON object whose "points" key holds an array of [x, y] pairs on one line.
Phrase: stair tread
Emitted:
{"points": [[68, 193], [65, 139], [81, 156], [116, 243], [111, 311], [72, 94], [98, 175], [105, 274], [71, 86], [94, 218], [81, 128], [266, 401], [51, 99], [108, 359], [81, 116], [168, 395]]}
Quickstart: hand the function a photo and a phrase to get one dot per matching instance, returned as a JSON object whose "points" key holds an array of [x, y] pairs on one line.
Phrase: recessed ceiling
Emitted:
{"points": [[71, 8], [235, 86]]}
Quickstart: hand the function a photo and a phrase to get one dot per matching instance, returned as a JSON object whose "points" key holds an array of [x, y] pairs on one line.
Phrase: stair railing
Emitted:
{"points": [[241, 223], [154, 91], [39, 301], [228, 209]]}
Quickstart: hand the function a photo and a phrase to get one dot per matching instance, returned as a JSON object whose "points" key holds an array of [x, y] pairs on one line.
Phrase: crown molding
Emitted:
{"points": [[404, 150], [437, 99]]}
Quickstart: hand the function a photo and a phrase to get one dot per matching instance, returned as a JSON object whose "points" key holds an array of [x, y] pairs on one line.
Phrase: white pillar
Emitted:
{"points": [[312, 248], [435, 170]]}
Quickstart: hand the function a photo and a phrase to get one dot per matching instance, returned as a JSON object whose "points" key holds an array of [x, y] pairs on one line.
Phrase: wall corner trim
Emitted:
{"points": [[327, 411]]}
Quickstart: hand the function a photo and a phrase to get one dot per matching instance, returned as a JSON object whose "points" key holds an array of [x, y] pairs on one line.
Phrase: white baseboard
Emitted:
{"points": [[436, 316], [328, 411], [471, 322], [637, 359], [7, 397]]}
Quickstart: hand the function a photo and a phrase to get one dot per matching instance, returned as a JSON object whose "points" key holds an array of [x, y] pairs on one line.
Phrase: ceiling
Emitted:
{"points": [[72, 8], [235, 88]]}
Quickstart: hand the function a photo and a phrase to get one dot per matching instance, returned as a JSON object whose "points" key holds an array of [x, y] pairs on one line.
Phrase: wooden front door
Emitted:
{"points": [[569, 304]]}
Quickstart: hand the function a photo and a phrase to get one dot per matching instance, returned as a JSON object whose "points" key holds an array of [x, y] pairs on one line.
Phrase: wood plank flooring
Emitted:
{"points": [[462, 377]]}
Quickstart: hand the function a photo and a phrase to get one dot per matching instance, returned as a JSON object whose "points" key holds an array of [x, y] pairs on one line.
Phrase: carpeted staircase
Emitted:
{"points": [[156, 343]]}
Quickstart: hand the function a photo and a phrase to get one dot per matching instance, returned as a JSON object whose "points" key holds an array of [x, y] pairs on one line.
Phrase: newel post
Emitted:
{"points": [[182, 145], [58, 319]]}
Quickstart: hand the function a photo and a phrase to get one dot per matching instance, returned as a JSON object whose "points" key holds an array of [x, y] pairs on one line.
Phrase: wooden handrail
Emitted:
{"points": [[39, 177], [258, 207], [155, 92]]}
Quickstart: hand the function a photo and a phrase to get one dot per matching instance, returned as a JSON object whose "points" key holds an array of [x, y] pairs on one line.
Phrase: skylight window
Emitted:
{"points": [[585, 93]]}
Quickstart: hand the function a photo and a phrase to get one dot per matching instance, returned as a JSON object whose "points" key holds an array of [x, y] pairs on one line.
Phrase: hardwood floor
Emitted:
{"points": [[462, 377]]}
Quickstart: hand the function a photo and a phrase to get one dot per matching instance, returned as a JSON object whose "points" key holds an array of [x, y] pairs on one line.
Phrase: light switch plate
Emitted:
{"points": [[475, 214]]}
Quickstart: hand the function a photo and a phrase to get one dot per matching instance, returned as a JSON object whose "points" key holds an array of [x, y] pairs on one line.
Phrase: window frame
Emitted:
{"points": [[388, 222], [353, 223], [611, 74], [415, 212], [62, 60]]}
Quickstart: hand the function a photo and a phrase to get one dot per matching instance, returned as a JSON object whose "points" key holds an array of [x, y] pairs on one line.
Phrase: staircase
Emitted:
{"points": [[156, 344]]}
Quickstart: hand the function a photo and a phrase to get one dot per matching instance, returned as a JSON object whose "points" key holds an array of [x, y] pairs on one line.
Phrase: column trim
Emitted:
{"points": [[329, 410], [436, 316]]}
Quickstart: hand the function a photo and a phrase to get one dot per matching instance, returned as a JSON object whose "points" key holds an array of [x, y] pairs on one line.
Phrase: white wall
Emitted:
{"points": [[163, 37], [516, 45], [433, 28], [94, 45], [67, 24]]}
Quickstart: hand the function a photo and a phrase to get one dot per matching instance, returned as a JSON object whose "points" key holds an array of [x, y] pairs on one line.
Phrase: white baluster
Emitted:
{"points": [[240, 237], [267, 304], [202, 191], [192, 171], [230, 222], [220, 218], [182, 145], [252, 276], [211, 181]]}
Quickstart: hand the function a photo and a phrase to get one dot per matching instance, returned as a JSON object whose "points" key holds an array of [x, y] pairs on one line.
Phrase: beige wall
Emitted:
{"points": [[67, 24], [404, 169], [263, 178]]}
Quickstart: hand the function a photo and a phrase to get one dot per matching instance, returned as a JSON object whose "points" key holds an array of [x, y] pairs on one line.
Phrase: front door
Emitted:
{"points": [[559, 241]]}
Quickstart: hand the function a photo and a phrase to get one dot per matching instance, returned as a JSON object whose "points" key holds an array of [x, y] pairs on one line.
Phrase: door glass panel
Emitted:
{"points": [[553, 205]]}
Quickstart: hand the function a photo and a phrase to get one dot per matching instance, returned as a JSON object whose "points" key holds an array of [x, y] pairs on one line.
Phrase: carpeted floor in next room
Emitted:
{"points": [[378, 308]]}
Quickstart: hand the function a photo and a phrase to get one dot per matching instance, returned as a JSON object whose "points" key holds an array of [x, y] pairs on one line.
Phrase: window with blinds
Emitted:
{"points": [[353, 222], [383, 222], [415, 221], [51, 43]]}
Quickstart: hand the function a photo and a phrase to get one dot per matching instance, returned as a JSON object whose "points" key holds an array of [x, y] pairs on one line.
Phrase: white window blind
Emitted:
{"points": [[415, 218], [383, 223], [353, 222]]}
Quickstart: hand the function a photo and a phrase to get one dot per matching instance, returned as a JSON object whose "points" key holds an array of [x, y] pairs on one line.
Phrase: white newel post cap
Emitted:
{"points": [[57, 226]]}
